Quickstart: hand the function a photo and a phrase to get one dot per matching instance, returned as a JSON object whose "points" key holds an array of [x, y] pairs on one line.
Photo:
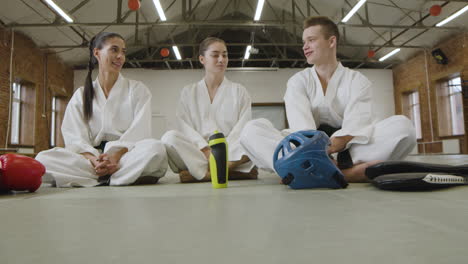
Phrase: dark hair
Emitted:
{"points": [[329, 28], [88, 92], [207, 42]]}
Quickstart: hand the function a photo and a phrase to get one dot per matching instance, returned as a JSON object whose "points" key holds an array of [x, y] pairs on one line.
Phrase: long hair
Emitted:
{"points": [[88, 92]]}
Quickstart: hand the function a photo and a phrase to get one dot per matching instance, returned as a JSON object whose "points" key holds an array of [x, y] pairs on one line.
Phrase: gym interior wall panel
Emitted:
{"points": [[263, 86]]}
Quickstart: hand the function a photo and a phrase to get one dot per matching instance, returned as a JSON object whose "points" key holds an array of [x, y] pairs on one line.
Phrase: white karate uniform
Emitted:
{"points": [[197, 120], [124, 120], [346, 104]]}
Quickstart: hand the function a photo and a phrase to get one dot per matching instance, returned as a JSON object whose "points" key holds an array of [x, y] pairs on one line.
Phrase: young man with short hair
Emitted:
{"points": [[336, 100]]}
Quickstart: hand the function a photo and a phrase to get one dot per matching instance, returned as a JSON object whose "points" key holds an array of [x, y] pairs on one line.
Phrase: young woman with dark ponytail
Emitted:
{"points": [[107, 127], [213, 103]]}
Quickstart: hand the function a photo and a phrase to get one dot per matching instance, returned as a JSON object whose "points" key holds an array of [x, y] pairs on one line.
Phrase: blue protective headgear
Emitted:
{"points": [[304, 162]]}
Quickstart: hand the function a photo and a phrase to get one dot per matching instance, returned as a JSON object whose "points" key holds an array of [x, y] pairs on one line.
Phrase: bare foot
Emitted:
{"points": [[237, 175], [357, 172], [237, 163], [186, 177]]}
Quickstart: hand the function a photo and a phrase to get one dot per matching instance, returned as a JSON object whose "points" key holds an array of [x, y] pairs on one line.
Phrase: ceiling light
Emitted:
{"points": [[59, 10], [452, 17], [354, 10], [176, 52], [253, 50], [258, 12], [247, 52], [393, 52], [158, 6]]}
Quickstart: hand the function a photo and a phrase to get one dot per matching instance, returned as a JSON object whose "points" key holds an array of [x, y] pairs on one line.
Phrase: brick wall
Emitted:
{"points": [[421, 73], [28, 64]]}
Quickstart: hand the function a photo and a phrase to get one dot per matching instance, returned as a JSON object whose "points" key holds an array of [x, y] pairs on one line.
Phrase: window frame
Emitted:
{"points": [[57, 113], [15, 127], [23, 84], [409, 106], [53, 116], [443, 86]]}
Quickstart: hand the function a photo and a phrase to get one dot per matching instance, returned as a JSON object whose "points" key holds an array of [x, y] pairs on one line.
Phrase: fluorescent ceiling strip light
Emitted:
{"points": [[452, 17], [247, 52], [354, 10], [59, 10], [158, 6], [393, 52], [258, 12], [176, 52]]}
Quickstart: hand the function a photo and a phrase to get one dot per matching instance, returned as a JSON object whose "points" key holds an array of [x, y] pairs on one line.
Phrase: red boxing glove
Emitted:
{"points": [[20, 173]]}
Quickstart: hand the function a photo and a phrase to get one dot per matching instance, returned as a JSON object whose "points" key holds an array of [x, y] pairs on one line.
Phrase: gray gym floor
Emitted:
{"points": [[255, 221]]}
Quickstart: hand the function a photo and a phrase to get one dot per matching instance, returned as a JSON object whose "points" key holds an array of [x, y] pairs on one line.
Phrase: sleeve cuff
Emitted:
{"points": [[79, 148], [361, 136], [202, 144], [114, 146]]}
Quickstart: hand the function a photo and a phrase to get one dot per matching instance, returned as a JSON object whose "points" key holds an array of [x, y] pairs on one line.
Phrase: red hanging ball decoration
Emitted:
{"points": [[164, 52], [134, 5], [435, 10], [370, 53]]}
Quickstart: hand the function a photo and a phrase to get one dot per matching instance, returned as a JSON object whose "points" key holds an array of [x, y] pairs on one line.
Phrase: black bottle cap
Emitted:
{"points": [[217, 135]]}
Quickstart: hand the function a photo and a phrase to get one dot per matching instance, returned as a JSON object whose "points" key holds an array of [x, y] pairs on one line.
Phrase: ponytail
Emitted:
{"points": [[88, 92]]}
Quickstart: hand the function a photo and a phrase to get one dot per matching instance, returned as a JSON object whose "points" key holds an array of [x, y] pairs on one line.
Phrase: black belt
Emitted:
{"points": [[101, 146], [344, 157], [103, 180]]}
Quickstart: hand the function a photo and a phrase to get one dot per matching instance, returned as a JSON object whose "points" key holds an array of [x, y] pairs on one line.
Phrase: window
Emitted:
{"points": [[411, 109], [22, 114], [15, 113], [450, 107], [53, 116], [57, 113]]}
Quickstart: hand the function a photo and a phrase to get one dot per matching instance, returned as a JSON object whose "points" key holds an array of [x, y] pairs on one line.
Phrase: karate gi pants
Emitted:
{"points": [[183, 154], [70, 169], [392, 139]]}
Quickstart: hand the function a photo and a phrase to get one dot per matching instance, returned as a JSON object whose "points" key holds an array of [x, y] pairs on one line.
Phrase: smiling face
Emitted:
{"points": [[111, 56], [215, 58], [318, 49]]}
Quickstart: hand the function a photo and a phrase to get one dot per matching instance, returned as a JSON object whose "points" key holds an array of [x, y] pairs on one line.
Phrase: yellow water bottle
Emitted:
{"points": [[218, 160]]}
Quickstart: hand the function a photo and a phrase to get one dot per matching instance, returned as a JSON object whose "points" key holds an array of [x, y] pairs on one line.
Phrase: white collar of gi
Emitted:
{"points": [[332, 83], [202, 84], [100, 93]]}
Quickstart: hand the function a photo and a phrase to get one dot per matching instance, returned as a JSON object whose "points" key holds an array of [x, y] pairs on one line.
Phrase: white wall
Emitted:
{"points": [[263, 86]]}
